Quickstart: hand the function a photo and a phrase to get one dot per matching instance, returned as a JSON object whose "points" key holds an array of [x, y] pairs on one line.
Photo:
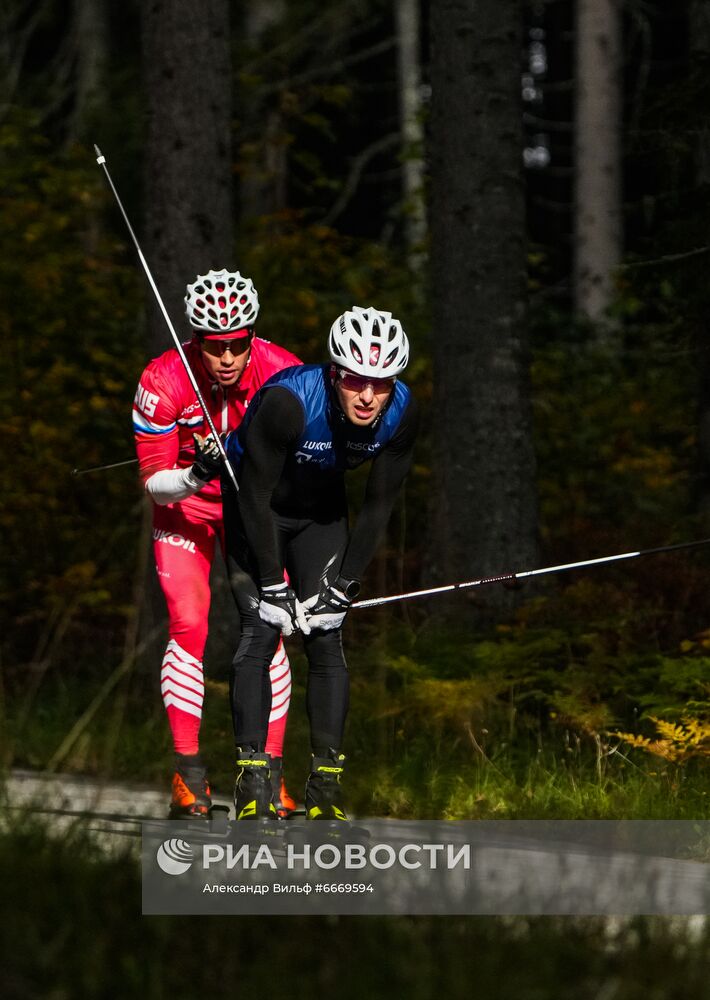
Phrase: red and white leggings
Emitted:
{"points": [[184, 536]]}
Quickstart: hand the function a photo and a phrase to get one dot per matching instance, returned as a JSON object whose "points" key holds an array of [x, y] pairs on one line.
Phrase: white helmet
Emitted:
{"points": [[369, 342], [221, 301]]}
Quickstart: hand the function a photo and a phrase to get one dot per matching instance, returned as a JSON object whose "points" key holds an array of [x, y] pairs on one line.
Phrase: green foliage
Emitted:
{"points": [[614, 438], [521, 722], [70, 330]]}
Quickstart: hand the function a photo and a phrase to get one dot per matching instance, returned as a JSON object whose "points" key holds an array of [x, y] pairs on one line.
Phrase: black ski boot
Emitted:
{"points": [[252, 791], [324, 797], [191, 798], [283, 802]]}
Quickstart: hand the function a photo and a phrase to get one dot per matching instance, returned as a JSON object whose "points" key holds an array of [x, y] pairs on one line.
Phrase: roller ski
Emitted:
{"points": [[325, 818]]}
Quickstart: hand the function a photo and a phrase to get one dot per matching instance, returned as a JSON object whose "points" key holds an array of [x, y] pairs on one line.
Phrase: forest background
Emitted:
{"points": [[526, 186]]}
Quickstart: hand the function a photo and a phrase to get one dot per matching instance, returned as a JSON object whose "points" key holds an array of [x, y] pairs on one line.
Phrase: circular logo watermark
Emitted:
{"points": [[174, 856]]}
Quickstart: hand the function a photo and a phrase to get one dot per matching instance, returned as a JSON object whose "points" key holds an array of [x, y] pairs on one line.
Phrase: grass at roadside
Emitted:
{"points": [[467, 759]]}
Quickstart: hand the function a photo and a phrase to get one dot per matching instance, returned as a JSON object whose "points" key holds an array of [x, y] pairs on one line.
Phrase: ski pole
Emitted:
{"points": [[512, 577], [102, 468], [101, 160]]}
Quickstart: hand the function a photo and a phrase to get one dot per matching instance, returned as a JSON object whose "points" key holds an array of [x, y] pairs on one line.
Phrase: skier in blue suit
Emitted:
{"points": [[293, 563]]}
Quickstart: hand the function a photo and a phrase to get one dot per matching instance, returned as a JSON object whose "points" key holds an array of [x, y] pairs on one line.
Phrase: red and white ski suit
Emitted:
{"points": [[166, 413]]}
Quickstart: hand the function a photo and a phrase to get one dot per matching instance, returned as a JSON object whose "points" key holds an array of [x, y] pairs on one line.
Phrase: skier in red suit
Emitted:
{"points": [[180, 471]]}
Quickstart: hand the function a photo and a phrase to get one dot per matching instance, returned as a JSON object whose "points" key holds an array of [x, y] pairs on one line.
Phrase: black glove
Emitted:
{"points": [[208, 460], [327, 609]]}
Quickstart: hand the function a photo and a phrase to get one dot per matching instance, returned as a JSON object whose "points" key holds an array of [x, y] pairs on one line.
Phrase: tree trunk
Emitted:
{"points": [[598, 218], [483, 475], [91, 40], [188, 188], [410, 108], [188, 192], [699, 38]]}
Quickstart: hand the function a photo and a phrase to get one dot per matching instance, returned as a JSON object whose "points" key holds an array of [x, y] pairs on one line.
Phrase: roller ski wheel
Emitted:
{"points": [[191, 797]]}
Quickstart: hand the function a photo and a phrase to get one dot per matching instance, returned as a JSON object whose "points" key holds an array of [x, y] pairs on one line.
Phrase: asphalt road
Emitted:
{"points": [[530, 867]]}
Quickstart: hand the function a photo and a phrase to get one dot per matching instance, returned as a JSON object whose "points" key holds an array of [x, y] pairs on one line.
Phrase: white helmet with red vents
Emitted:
{"points": [[369, 342], [221, 301]]}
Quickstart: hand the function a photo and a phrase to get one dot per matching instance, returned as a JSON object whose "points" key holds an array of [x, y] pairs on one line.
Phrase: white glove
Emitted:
{"points": [[279, 606], [327, 610]]}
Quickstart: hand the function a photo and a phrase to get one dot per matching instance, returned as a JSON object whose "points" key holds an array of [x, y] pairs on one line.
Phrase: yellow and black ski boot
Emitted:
{"points": [[252, 791], [324, 796]]}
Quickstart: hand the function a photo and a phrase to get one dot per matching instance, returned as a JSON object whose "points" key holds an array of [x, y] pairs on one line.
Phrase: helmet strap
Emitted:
{"points": [[335, 407]]}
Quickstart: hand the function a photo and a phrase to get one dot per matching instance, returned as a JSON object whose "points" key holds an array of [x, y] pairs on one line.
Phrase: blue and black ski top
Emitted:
{"points": [[292, 451]]}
